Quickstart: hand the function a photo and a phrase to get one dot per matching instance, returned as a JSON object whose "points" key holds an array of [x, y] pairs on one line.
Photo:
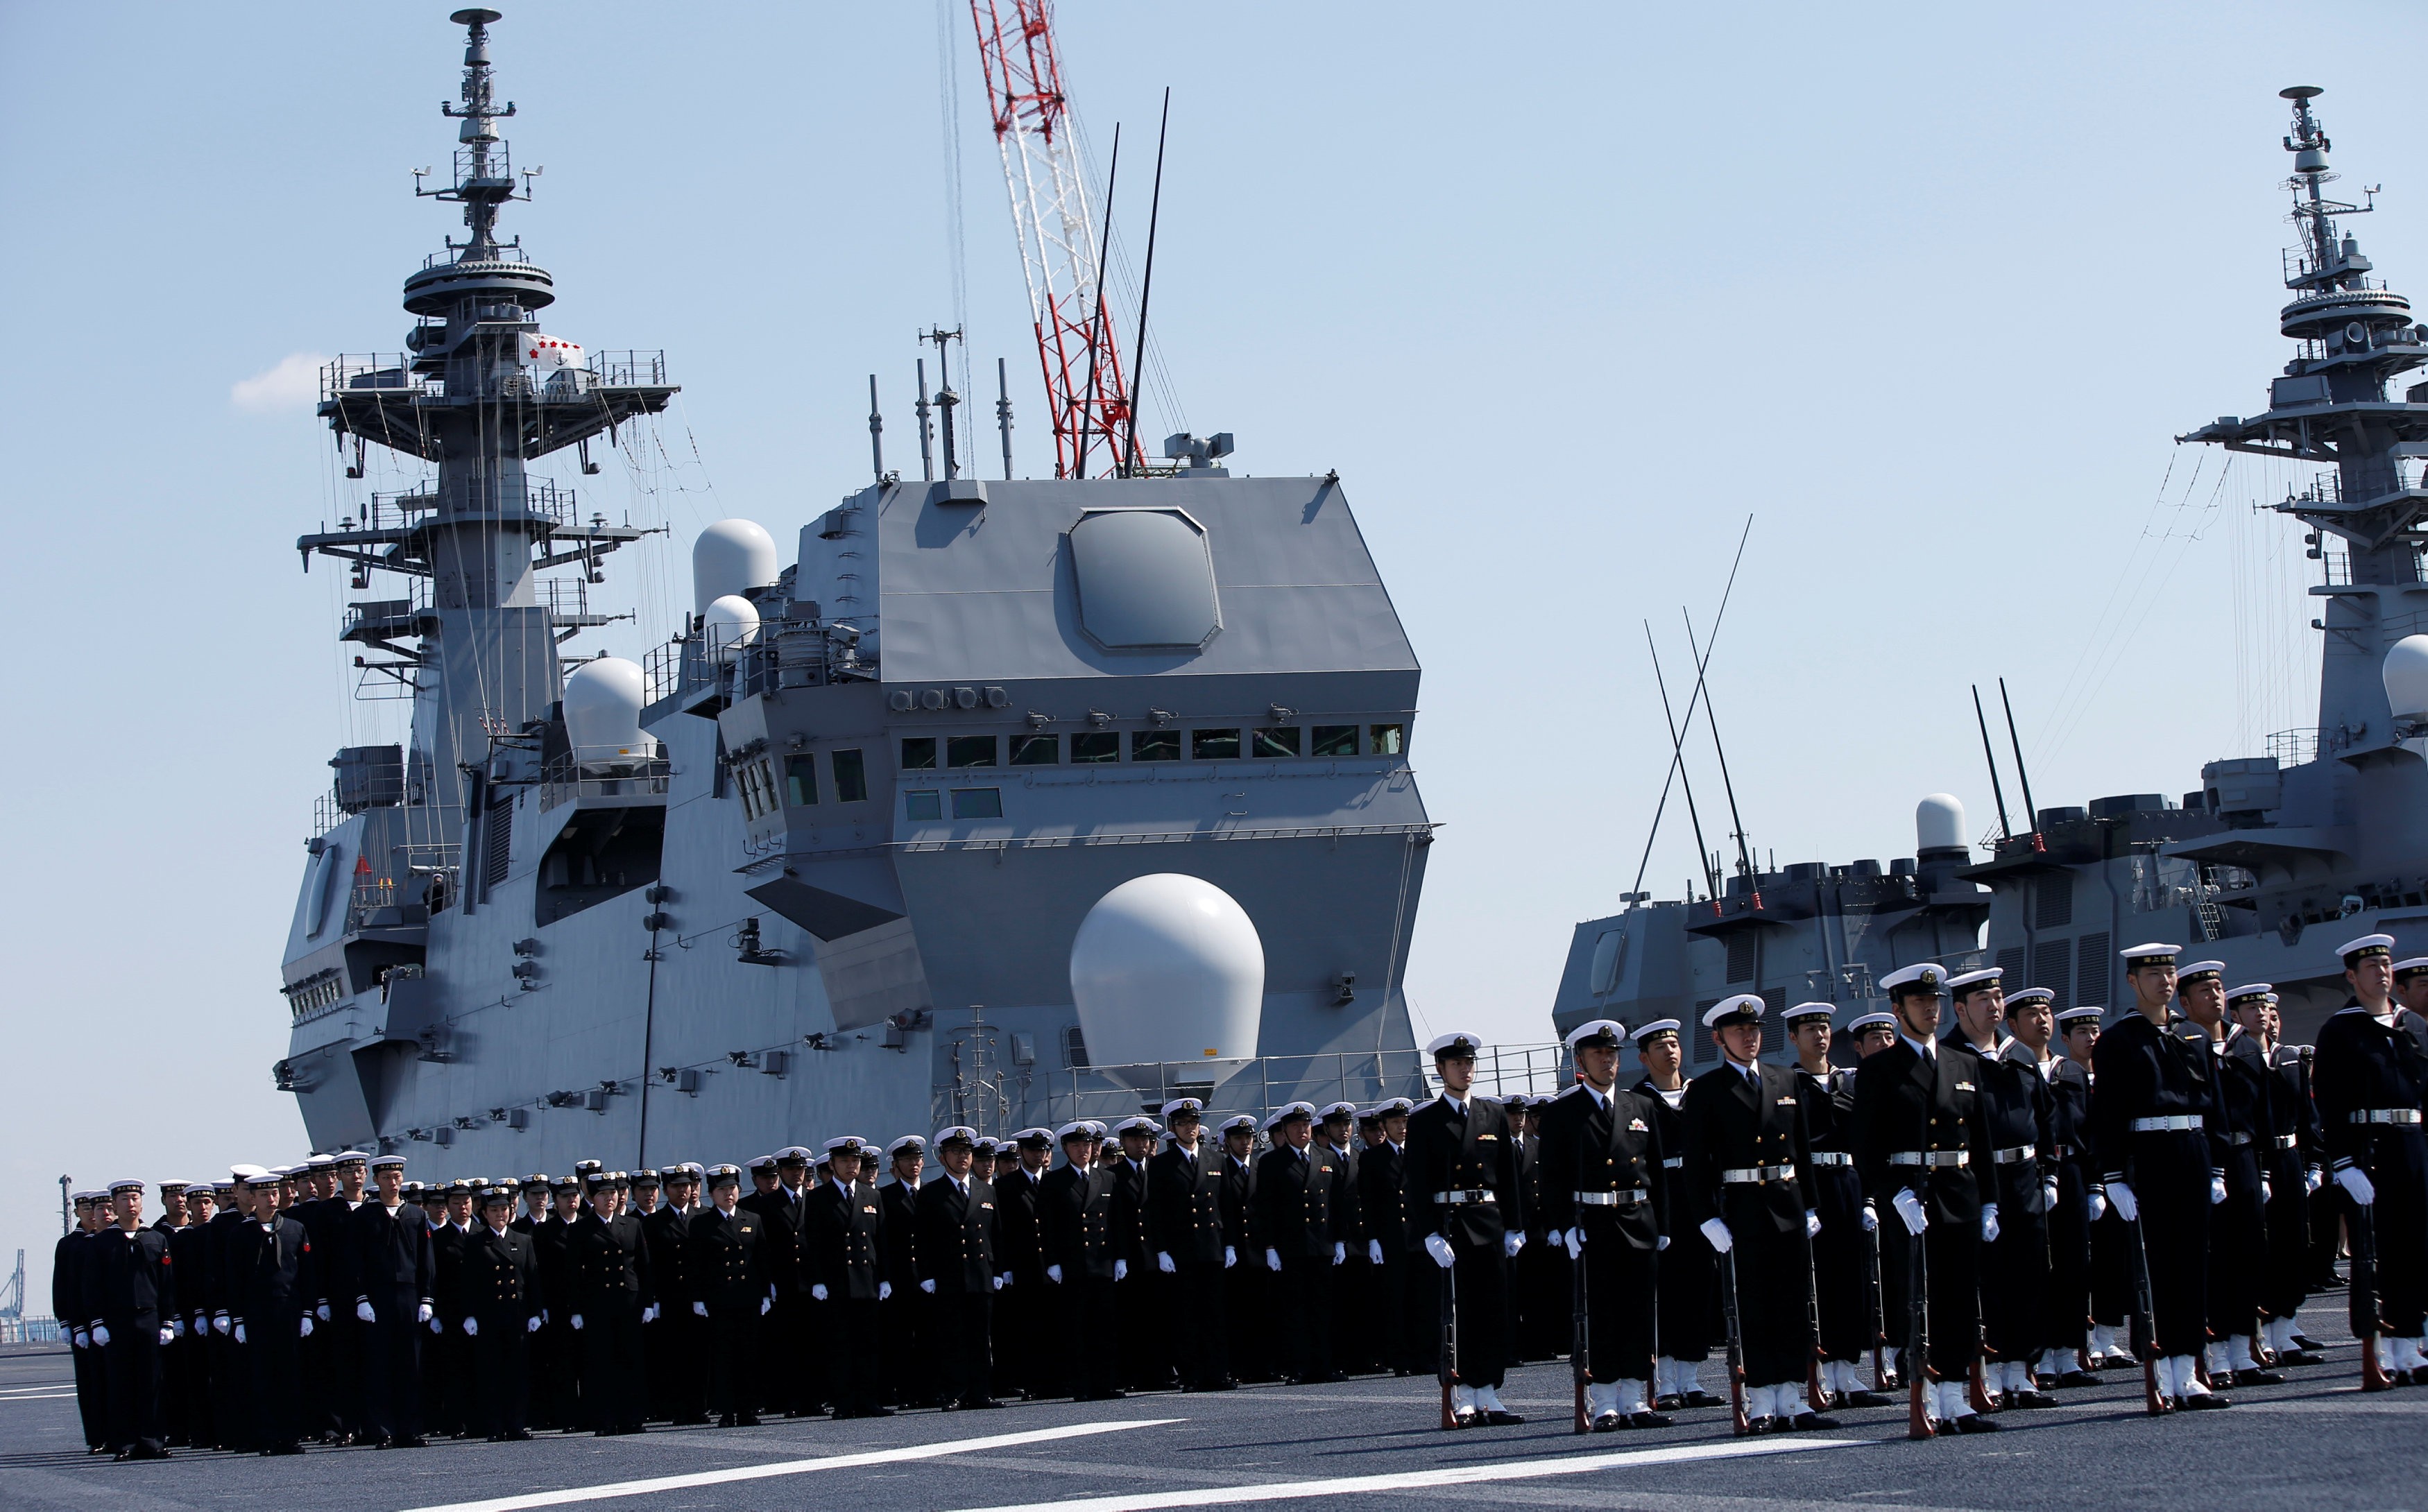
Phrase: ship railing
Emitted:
{"points": [[29, 1331], [628, 369], [604, 771], [1018, 1098], [2294, 748], [352, 374]]}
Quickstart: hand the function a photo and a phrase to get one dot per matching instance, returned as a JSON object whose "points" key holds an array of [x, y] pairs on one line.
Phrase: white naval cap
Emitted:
{"points": [[1246, 1120], [1287, 1111], [1137, 1123], [2155, 953], [955, 1133], [87, 1196], [2406, 967], [1455, 1044], [1078, 1128], [2193, 970], [2028, 996], [127, 1184], [910, 1143], [351, 1158], [1601, 1034], [2368, 944], [1659, 1025], [2075, 1015], [757, 1162], [1922, 977], [380, 1162], [1744, 1006], [2257, 991], [1975, 981], [1803, 1010], [1332, 1110], [320, 1162], [1865, 1021], [849, 1144], [1183, 1105], [1034, 1139], [252, 1174], [793, 1153], [1390, 1108]]}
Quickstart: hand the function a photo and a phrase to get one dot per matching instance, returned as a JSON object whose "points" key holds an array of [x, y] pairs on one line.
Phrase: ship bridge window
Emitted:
{"points": [[1036, 751], [1280, 741], [1096, 746], [977, 803], [969, 750], [1386, 740], [923, 803], [852, 777], [1214, 745], [801, 781], [918, 753], [1155, 746], [1336, 740]]}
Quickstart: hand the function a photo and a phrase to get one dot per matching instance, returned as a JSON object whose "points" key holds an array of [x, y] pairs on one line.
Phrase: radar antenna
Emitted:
{"points": [[484, 176]]}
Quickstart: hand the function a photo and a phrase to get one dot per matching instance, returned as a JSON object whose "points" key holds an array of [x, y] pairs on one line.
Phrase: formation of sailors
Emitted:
{"points": [[1981, 1213]]}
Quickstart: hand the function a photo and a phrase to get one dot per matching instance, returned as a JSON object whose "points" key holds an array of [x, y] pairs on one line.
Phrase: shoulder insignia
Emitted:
{"points": [[1636, 1126]]}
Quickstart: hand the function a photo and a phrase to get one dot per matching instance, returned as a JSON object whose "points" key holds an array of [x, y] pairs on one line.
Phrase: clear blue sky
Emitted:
{"points": [[1564, 291]]}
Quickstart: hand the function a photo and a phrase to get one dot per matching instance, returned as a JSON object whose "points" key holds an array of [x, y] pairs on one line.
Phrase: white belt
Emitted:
{"points": [[2386, 1115], [1746, 1175], [1455, 1198], [2020, 1153], [1959, 1159], [2171, 1123], [1832, 1158], [1610, 1199], [2285, 1142]]}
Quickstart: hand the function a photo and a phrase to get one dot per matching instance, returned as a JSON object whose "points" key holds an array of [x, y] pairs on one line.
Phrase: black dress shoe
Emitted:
{"points": [[979, 1402], [1700, 1398], [2299, 1356], [2075, 1378], [1810, 1420], [1669, 1404], [2303, 1342], [1503, 1419], [1865, 1398], [746, 1419], [692, 1420], [2031, 1398], [1976, 1424], [1608, 1422], [2258, 1378], [410, 1440], [1650, 1420], [1761, 1425], [2203, 1401], [284, 1448], [725, 1420], [520, 1435]]}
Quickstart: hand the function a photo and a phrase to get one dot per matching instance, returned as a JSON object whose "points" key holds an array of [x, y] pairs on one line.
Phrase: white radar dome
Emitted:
{"points": [[2406, 671], [729, 623], [732, 556], [1939, 823], [602, 711], [1167, 967]]}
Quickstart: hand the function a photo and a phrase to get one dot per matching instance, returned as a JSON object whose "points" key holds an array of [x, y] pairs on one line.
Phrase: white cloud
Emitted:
{"points": [[293, 383]]}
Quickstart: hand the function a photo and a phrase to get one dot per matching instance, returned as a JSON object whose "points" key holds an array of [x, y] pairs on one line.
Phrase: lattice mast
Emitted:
{"points": [[1086, 393]]}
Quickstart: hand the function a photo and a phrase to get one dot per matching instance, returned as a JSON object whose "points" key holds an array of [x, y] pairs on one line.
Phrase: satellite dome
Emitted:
{"points": [[1939, 823], [1167, 967], [602, 710], [2406, 671], [732, 556], [729, 623]]}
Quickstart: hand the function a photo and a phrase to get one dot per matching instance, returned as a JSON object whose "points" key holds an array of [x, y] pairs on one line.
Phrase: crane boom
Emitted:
{"points": [[1087, 395]]}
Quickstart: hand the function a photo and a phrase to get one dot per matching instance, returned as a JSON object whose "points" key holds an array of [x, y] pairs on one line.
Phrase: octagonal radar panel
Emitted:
{"points": [[1145, 580], [1167, 967]]}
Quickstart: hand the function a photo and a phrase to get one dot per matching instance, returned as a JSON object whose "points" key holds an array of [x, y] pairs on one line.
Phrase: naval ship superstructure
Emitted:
{"points": [[1003, 802], [2268, 864]]}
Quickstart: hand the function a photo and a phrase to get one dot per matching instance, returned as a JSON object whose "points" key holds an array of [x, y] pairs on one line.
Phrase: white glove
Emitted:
{"points": [[1230, 1257], [649, 1313], [2267, 1192], [1121, 1272], [1871, 1219], [1908, 1207], [323, 1311], [997, 1282], [1811, 1222], [2356, 1185], [699, 1309], [1573, 1240], [1163, 1263], [1002, 1281], [1989, 1223], [819, 1291], [472, 1327], [2312, 1179], [166, 1334], [305, 1325], [219, 1321], [2216, 1190], [80, 1339], [2048, 1193], [1339, 1251], [576, 1319], [2095, 1202], [421, 1313], [884, 1291], [1512, 1243], [177, 1328], [101, 1335], [1661, 1245], [1273, 1260], [1054, 1273], [930, 1286], [1373, 1252], [1716, 1235], [766, 1305], [363, 1311], [2119, 1197], [531, 1324], [436, 1327], [1440, 1249]]}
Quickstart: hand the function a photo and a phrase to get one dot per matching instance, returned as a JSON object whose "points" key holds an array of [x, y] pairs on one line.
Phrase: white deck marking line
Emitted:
{"points": [[1521, 1470], [37, 1396], [572, 1494]]}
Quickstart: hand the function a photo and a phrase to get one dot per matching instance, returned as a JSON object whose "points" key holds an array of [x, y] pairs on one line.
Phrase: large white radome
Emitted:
{"points": [[1167, 967], [2405, 674], [730, 556], [602, 710]]}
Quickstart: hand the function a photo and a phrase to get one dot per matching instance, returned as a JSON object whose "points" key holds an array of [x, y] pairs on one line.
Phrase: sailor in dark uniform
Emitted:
{"points": [[2370, 1078], [731, 1292], [231, 1414], [1605, 1204], [2066, 1164], [2243, 1135], [1294, 1222], [67, 1305], [129, 1294], [2113, 1241], [1688, 1303], [1075, 1218], [1144, 1366], [1185, 1226], [172, 1220], [956, 1270], [2153, 1104], [1539, 1277], [1468, 1210], [274, 1286], [1921, 1137], [1382, 1200], [1336, 1141], [1024, 1313], [389, 1247], [497, 1307], [906, 1310], [1841, 1252], [841, 1254], [2290, 1167], [2014, 1219], [191, 1377], [1244, 1276], [612, 1298]]}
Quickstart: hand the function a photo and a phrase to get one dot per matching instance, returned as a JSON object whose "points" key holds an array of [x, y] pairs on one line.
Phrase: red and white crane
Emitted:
{"points": [[1059, 246]]}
